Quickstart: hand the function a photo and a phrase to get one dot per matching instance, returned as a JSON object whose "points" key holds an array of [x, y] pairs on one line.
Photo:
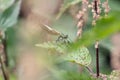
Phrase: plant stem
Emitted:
{"points": [[95, 6], [4, 42], [90, 70], [97, 57], [4, 72]]}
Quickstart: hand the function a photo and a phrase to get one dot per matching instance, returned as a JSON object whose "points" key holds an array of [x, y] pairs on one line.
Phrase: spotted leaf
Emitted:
{"points": [[80, 56]]}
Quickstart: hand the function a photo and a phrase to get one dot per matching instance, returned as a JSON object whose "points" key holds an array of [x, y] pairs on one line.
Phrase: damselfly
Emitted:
{"points": [[62, 38], [50, 30]]}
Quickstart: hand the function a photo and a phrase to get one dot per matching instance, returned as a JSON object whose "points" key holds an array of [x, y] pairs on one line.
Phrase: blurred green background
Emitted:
{"points": [[22, 37]]}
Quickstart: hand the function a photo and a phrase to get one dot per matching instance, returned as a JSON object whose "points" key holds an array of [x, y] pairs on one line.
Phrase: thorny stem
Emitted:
{"points": [[97, 57], [4, 72]]}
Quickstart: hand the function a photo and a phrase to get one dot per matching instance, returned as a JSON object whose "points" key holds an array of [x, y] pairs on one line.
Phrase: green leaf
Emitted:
{"points": [[53, 46], [66, 4], [9, 17], [80, 56], [106, 43], [4, 4], [104, 28]]}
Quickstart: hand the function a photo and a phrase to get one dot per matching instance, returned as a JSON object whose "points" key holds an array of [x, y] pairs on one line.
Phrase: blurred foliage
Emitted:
{"points": [[76, 76], [80, 56], [66, 5], [9, 17], [11, 46], [115, 75], [104, 29], [12, 77], [4, 4], [53, 47], [9, 12], [71, 75]]}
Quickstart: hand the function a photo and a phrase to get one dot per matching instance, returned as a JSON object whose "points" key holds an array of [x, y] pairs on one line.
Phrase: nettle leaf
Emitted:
{"points": [[66, 4], [80, 56], [4, 4], [53, 46], [115, 75], [9, 17]]}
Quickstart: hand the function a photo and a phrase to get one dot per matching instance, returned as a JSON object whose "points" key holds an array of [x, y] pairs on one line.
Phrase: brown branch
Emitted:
{"points": [[4, 42], [4, 71]]}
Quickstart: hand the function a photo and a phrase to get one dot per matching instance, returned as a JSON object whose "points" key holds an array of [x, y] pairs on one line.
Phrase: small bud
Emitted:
{"points": [[78, 16], [84, 9], [97, 43], [89, 6], [80, 24], [106, 7]]}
